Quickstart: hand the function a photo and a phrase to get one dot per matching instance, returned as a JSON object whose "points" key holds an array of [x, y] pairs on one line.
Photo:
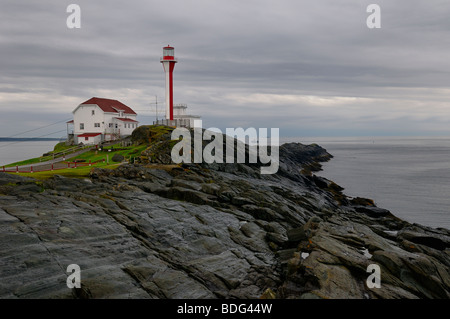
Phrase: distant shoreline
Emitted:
{"points": [[27, 139]]}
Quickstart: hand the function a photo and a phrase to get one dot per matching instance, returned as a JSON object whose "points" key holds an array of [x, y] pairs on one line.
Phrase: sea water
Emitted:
{"points": [[408, 176], [15, 151]]}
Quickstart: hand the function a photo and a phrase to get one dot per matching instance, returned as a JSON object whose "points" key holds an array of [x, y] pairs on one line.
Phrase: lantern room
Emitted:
{"points": [[168, 54]]}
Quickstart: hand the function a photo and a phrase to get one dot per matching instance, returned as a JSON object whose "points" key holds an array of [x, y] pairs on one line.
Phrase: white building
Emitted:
{"points": [[98, 120], [180, 118]]}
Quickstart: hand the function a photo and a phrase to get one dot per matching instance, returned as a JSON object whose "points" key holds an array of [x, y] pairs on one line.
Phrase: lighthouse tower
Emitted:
{"points": [[168, 61]]}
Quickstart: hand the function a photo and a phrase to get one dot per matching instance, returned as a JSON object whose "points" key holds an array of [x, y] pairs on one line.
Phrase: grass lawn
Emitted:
{"points": [[93, 156], [127, 152], [82, 171], [25, 162], [58, 148], [61, 147]]}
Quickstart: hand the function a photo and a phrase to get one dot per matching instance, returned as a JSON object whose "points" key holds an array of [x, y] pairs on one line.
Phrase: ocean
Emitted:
{"points": [[408, 176], [15, 151]]}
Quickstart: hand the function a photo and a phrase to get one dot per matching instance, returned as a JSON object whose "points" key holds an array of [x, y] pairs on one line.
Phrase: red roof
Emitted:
{"points": [[125, 119], [69, 122], [108, 105], [89, 134]]}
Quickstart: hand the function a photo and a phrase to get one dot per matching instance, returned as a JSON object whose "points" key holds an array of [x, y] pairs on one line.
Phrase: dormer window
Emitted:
{"points": [[120, 113]]}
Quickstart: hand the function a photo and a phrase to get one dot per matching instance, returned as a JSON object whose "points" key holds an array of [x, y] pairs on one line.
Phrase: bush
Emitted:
{"points": [[147, 133], [118, 158]]}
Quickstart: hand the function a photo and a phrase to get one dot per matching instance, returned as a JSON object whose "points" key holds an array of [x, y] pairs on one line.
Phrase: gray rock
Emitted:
{"points": [[210, 231], [296, 234]]}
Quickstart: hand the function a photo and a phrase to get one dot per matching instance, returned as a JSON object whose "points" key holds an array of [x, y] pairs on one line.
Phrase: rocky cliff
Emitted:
{"points": [[154, 230]]}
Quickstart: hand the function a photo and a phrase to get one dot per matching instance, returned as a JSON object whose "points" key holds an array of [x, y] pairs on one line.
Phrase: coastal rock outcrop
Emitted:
{"points": [[211, 231]]}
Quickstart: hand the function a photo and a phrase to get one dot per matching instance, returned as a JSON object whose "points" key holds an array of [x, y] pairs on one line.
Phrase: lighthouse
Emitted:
{"points": [[175, 113], [168, 61]]}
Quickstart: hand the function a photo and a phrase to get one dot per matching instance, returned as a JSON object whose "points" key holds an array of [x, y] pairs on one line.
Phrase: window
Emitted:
{"points": [[86, 138], [110, 125], [117, 125], [93, 112], [168, 51], [81, 126], [96, 124]]}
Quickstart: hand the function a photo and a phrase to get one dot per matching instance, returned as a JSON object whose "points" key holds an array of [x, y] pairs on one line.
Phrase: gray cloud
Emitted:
{"points": [[308, 67]]}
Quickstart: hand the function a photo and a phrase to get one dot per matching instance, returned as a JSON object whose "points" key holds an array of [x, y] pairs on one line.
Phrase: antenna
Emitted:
{"points": [[156, 105]]}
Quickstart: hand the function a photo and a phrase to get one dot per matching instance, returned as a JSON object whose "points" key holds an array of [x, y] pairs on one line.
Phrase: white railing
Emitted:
{"points": [[174, 123]]}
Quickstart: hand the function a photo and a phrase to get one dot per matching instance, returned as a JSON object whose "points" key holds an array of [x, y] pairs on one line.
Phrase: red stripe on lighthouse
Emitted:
{"points": [[171, 67], [171, 90]]}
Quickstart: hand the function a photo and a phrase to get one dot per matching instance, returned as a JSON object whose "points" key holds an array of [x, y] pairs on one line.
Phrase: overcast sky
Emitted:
{"points": [[310, 68]]}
